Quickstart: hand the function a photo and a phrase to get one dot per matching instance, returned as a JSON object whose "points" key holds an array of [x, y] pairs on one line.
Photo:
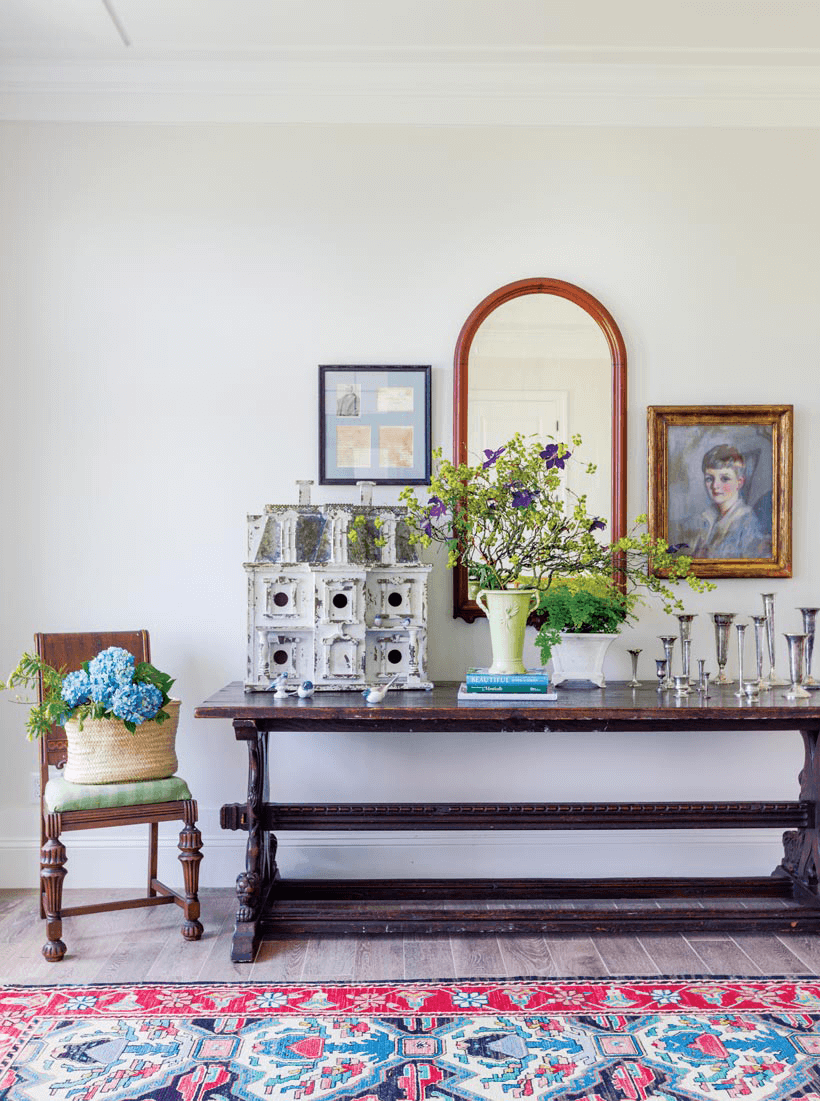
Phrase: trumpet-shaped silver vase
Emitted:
{"points": [[768, 607], [634, 683], [797, 650], [685, 621], [741, 636], [723, 622], [809, 623], [668, 643], [759, 622]]}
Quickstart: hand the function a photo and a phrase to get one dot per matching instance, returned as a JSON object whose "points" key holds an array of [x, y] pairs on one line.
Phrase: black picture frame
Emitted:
{"points": [[374, 424]]}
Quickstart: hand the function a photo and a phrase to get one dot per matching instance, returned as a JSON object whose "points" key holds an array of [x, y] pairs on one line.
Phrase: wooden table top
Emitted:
{"points": [[616, 707]]}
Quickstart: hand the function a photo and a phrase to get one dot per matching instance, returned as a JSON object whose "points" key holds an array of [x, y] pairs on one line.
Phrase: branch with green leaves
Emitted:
{"points": [[512, 519]]}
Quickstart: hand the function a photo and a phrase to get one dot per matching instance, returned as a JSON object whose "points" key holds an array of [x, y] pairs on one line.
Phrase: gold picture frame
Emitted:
{"points": [[720, 486]]}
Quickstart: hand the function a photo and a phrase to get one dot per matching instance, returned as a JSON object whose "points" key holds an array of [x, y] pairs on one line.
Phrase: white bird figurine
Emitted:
{"points": [[305, 690], [277, 686], [377, 693]]}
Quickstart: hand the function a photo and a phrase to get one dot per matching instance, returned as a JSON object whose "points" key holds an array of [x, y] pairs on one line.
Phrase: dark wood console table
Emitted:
{"points": [[272, 906]]}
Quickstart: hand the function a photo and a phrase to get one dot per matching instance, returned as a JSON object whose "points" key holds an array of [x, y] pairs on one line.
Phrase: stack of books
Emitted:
{"points": [[482, 684]]}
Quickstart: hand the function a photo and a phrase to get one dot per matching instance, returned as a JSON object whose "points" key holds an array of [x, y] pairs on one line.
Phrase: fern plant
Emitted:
{"points": [[581, 605]]}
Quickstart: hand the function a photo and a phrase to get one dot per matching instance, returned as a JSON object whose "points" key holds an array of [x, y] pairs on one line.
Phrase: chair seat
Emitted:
{"points": [[60, 795]]}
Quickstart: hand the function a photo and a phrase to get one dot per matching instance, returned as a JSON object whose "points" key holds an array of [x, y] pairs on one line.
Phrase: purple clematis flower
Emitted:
{"points": [[597, 524], [675, 547], [491, 456], [436, 508], [427, 528], [522, 498], [552, 458]]}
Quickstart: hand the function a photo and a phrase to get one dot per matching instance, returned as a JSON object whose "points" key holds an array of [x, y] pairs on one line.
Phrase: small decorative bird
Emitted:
{"points": [[277, 686], [377, 693], [305, 690]]}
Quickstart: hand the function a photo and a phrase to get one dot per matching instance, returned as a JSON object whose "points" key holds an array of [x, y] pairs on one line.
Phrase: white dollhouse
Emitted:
{"points": [[341, 614]]}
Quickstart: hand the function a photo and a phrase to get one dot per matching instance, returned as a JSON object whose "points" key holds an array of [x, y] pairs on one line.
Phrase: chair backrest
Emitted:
{"points": [[69, 651]]}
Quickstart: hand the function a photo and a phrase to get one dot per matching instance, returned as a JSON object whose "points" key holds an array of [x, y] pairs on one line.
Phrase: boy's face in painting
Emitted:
{"points": [[723, 484]]}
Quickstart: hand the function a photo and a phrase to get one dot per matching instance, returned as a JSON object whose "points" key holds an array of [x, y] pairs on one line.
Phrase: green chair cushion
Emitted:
{"points": [[60, 795]]}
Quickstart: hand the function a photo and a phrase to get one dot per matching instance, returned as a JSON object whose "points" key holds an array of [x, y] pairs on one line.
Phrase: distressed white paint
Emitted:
{"points": [[313, 615]]}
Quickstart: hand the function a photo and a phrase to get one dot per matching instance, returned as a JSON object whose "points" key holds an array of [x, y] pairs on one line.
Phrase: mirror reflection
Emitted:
{"points": [[541, 366]]}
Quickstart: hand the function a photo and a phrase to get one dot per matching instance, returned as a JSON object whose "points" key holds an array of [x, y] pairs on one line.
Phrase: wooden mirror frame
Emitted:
{"points": [[463, 607]]}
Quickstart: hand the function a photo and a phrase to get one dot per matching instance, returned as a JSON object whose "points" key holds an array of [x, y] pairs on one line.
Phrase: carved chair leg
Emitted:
{"points": [[52, 874], [190, 855]]}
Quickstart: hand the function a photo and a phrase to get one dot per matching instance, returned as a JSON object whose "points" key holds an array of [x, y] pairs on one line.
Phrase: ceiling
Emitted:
{"points": [[679, 62]]}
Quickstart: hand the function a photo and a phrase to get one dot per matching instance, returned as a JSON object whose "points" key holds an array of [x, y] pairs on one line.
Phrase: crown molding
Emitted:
{"points": [[528, 87]]}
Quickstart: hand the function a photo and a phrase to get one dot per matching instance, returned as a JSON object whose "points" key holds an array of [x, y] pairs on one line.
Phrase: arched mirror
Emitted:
{"points": [[543, 356]]}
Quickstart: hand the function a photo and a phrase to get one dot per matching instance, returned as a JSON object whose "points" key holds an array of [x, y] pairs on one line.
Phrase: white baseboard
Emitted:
{"points": [[98, 859]]}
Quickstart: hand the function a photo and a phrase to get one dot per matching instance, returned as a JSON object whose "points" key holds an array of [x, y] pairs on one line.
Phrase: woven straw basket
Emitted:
{"points": [[104, 752]]}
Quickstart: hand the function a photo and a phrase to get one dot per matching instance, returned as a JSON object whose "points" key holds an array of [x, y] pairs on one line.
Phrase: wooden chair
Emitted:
{"points": [[65, 806]]}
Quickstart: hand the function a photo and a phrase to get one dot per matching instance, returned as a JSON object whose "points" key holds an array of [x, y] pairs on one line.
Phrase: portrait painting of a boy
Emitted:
{"points": [[729, 526], [720, 487]]}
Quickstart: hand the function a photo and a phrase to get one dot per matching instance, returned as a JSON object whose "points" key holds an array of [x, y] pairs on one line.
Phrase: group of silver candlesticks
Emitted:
{"points": [[800, 649]]}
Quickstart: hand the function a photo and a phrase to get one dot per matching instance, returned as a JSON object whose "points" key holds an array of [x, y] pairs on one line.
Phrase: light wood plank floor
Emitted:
{"points": [[145, 945]]}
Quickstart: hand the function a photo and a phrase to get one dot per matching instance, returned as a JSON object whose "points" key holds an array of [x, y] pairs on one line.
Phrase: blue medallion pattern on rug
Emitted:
{"points": [[599, 1057]]}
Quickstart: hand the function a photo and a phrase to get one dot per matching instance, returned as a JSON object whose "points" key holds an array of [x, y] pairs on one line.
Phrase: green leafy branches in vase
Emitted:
{"points": [[513, 521]]}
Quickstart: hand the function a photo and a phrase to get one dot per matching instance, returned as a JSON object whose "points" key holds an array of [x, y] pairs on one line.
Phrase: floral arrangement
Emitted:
{"points": [[512, 519], [111, 685]]}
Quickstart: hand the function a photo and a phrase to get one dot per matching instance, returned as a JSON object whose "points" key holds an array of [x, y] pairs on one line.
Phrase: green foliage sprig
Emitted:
{"points": [[59, 705]]}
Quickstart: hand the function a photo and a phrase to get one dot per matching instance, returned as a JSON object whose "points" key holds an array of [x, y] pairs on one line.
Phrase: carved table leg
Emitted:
{"points": [[52, 874], [190, 855], [801, 858], [253, 884]]}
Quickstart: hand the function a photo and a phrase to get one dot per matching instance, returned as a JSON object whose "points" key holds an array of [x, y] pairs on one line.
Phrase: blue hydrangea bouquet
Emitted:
{"points": [[113, 685]]}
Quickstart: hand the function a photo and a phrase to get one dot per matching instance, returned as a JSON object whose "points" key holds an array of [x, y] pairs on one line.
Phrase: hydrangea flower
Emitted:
{"points": [[76, 688], [109, 671], [136, 703]]}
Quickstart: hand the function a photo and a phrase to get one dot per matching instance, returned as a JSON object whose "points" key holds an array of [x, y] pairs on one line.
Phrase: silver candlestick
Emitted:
{"points": [[768, 608], [741, 635], [797, 650], [668, 643], [809, 617], [759, 622], [634, 683], [685, 640], [723, 622]]}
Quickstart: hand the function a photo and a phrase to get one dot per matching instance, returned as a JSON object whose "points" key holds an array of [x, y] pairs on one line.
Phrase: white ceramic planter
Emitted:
{"points": [[580, 657], [507, 611]]}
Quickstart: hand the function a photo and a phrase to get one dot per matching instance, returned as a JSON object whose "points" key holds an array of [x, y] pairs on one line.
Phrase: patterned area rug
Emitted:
{"points": [[603, 1041]]}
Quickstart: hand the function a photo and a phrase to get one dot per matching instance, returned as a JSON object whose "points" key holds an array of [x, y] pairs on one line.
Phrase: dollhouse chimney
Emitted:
{"points": [[365, 492], [304, 490]]}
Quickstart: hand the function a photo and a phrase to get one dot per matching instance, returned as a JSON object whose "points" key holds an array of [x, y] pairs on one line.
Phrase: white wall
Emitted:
{"points": [[166, 294]]}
